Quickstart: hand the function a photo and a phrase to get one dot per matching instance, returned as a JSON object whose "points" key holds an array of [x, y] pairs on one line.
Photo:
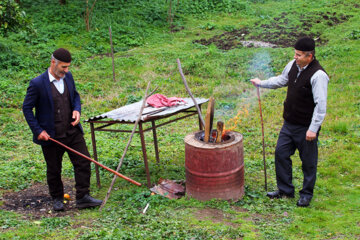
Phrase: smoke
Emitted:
{"points": [[260, 65], [235, 106]]}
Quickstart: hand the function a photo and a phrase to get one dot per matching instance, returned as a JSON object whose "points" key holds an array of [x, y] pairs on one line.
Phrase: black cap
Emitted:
{"points": [[62, 55], [305, 44]]}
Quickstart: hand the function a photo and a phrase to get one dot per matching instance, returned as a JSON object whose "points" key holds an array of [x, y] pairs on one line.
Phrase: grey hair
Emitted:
{"points": [[307, 53], [56, 61]]}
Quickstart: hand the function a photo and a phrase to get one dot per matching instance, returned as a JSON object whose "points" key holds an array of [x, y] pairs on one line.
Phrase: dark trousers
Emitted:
{"points": [[293, 137], [53, 156]]}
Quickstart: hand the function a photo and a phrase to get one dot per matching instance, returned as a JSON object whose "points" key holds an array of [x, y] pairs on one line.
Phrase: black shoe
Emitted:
{"points": [[303, 202], [58, 204], [278, 194], [87, 201]]}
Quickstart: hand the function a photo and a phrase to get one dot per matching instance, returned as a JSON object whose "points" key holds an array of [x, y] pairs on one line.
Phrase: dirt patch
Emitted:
{"points": [[174, 28], [218, 216], [35, 202], [215, 216], [227, 40], [278, 32], [254, 217]]}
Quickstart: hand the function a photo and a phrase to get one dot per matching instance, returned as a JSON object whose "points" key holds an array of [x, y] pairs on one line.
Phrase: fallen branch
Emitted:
{"points": [[188, 90]]}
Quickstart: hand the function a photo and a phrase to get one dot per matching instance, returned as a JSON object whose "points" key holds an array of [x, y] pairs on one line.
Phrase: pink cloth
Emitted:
{"points": [[159, 100]]}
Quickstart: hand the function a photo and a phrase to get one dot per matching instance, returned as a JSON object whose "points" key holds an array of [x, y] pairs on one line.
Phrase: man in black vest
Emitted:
{"points": [[304, 112], [57, 115]]}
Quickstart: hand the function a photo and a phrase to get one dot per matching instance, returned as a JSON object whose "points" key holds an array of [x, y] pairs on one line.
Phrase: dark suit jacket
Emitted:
{"points": [[39, 96]]}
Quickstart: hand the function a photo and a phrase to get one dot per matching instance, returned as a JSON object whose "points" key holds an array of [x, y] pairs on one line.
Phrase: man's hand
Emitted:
{"points": [[310, 135], [76, 116], [255, 81], [43, 136]]}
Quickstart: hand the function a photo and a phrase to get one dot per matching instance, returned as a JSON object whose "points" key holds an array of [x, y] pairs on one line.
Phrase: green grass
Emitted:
{"points": [[146, 50]]}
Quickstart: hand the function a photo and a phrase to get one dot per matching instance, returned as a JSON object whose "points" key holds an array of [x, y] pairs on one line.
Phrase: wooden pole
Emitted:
{"points": [[128, 144], [263, 141], [112, 53], [188, 90]]}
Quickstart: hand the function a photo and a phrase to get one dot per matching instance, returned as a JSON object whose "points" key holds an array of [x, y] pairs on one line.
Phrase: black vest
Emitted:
{"points": [[299, 104], [62, 112]]}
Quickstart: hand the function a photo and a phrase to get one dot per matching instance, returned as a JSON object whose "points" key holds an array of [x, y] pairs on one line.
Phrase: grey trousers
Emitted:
{"points": [[293, 137]]}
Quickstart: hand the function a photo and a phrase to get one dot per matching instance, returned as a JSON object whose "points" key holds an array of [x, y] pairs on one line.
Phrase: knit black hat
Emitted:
{"points": [[305, 44], [62, 55]]}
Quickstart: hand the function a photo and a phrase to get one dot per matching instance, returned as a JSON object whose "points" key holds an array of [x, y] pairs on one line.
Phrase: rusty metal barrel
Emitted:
{"points": [[214, 170]]}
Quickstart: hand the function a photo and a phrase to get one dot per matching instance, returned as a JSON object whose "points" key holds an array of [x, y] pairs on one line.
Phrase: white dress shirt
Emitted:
{"points": [[59, 84], [319, 82]]}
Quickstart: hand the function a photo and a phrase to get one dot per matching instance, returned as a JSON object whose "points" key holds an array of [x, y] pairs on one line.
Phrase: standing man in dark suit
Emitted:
{"points": [[57, 115], [304, 112]]}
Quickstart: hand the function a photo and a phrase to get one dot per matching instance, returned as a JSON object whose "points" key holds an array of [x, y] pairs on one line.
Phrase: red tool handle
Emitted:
{"points": [[97, 163]]}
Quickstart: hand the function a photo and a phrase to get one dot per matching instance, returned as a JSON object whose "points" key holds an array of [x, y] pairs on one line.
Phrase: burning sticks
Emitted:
{"points": [[219, 128], [210, 135]]}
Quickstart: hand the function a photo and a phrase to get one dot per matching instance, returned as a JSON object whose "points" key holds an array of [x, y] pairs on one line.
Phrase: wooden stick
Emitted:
{"points": [[128, 144], [263, 141], [112, 54], [220, 128], [208, 119], [188, 90], [212, 105]]}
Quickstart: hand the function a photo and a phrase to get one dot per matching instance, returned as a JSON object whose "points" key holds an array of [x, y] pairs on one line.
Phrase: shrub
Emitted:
{"points": [[205, 6], [355, 34], [12, 18]]}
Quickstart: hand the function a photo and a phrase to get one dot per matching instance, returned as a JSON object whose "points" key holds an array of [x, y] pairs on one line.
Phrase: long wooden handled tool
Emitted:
{"points": [[97, 163], [262, 131]]}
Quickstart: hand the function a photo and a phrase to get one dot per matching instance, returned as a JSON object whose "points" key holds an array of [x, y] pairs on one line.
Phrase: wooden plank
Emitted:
{"points": [[208, 119], [212, 115]]}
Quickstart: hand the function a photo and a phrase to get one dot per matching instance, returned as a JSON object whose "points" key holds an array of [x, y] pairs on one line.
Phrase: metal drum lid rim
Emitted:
{"points": [[193, 141]]}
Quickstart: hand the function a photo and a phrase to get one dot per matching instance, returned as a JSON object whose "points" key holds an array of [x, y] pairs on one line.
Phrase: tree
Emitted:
{"points": [[88, 14]]}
